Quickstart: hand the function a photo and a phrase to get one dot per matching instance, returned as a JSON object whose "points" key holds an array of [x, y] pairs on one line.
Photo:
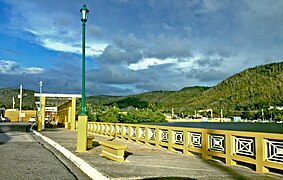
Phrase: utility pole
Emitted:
{"points": [[21, 96], [40, 91], [262, 114], [13, 103]]}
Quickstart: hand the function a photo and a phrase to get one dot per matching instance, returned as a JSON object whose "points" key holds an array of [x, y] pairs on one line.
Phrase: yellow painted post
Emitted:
{"points": [[186, 143], [130, 133], [157, 138], [229, 145], [82, 134], [261, 153], [69, 117], [116, 130], [138, 134], [66, 121], [73, 114], [205, 145], [122, 132], [170, 140], [42, 112], [146, 131]]}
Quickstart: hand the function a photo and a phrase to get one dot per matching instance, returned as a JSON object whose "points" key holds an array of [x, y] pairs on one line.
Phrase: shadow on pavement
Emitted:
{"points": [[4, 138], [95, 144], [169, 178], [225, 168], [127, 154]]}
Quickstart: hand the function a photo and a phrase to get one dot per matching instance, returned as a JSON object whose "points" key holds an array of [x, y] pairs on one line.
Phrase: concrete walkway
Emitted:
{"points": [[145, 162]]}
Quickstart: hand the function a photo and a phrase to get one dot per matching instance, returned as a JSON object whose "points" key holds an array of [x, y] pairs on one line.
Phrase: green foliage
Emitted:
{"points": [[114, 115], [144, 115], [111, 115], [7, 94], [241, 94]]}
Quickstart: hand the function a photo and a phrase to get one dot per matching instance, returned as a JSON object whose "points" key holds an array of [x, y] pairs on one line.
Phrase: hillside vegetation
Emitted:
{"points": [[7, 94], [250, 90], [254, 88]]}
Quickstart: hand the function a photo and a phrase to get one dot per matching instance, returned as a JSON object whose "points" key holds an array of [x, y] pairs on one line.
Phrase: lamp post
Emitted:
{"points": [[41, 123], [82, 119], [21, 96], [84, 12]]}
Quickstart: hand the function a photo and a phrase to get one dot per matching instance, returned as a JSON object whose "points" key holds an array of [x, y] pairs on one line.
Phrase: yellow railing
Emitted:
{"points": [[264, 150]]}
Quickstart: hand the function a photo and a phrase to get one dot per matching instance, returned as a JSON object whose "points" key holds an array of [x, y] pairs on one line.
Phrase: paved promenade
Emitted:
{"points": [[144, 162]]}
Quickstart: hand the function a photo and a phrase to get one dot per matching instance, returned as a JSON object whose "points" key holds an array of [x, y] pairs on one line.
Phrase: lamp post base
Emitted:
{"points": [[82, 134]]}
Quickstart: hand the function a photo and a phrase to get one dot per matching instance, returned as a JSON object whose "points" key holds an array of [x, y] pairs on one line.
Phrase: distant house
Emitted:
{"points": [[276, 107], [197, 116]]}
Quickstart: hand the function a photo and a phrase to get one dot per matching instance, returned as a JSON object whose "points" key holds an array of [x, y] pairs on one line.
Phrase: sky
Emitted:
{"points": [[135, 46]]}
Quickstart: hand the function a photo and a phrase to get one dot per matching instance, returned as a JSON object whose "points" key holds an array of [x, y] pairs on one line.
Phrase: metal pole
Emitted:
{"points": [[13, 103], [262, 114], [21, 95], [40, 113], [83, 109]]}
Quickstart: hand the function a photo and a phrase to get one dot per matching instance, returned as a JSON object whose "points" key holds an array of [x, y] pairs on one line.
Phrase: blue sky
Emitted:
{"points": [[135, 46]]}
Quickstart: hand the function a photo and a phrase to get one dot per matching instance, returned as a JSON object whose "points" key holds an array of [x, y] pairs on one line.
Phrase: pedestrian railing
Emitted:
{"points": [[264, 150]]}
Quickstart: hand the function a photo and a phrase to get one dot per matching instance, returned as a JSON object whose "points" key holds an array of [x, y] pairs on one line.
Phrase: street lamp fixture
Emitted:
{"points": [[84, 13]]}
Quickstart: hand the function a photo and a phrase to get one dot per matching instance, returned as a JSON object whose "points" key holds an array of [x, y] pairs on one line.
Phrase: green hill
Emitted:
{"points": [[7, 94], [252, 89], [180, 99]]}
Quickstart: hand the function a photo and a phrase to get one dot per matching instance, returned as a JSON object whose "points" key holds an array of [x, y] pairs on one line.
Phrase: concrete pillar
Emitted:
{"points": [[66, 119], [41, 120], [82, 134], [73, 114], [69, 117]]}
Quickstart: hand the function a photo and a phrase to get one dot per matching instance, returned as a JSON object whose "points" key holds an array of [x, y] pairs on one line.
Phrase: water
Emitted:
{"points": [[234, 126]]}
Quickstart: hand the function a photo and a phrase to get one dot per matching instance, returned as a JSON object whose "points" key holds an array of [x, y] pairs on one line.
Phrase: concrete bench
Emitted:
{"points": [[113, 150], [89, 141]]}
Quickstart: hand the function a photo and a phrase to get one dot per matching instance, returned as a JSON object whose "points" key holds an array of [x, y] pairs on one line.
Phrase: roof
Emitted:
{"points": [[58, 95]]}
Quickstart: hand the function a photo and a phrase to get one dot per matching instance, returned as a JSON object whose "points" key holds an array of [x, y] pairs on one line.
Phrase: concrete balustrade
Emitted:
{"points": [[263, 150]]}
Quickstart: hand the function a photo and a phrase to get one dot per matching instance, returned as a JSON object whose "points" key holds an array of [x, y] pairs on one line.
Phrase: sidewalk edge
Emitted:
{"points": [[80, 163]]}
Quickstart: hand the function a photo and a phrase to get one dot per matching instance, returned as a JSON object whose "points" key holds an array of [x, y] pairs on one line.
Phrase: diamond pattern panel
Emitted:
{"points": [[178, 137], [142, 133], [216, 143], [133, 131], [152, 134], [244, 146], [126, 130], [119, 129], [275, 151], [164, 135], [194, 139]]}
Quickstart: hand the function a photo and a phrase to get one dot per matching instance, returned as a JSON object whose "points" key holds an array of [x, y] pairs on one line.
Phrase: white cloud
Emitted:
{"points": [[54, 31], [146, 62], [92, 49], [11, 67], [59, 46]]}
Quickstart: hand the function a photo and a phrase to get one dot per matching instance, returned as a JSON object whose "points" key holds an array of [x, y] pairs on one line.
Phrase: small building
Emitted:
{"points": [[237, 119]]}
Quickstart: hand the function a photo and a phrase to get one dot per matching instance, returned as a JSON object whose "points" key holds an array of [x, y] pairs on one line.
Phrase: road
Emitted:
{"points": [[26, 156]]}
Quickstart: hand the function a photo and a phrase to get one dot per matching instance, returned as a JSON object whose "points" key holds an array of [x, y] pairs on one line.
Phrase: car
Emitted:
{"points": [[32, 120]]}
